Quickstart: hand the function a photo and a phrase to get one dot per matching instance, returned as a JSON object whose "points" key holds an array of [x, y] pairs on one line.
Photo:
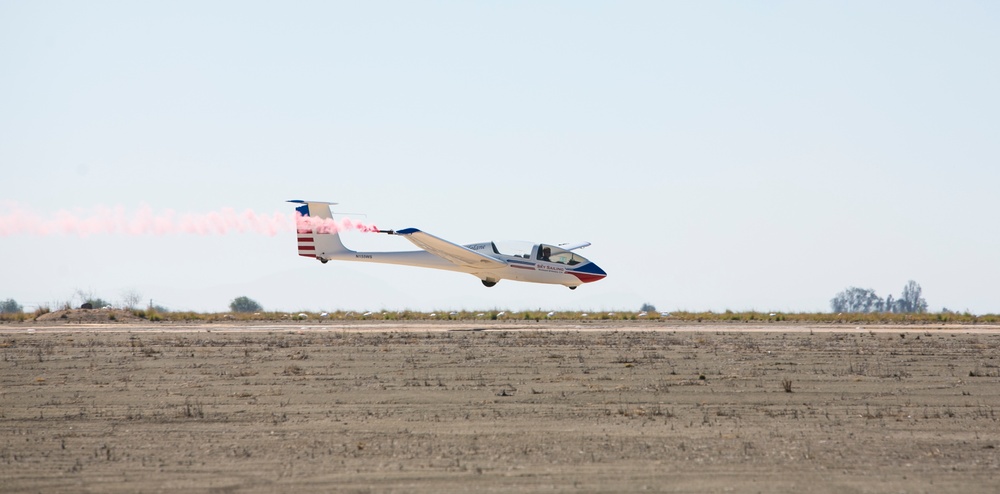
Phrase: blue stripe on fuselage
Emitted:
{"points": [[590, 268]]}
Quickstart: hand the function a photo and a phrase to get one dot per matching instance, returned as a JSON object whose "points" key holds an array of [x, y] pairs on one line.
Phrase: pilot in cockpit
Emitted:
{"points": [[544, 254]]}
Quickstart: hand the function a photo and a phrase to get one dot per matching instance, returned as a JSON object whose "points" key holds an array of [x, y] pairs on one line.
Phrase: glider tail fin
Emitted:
{"points": [[311, 241]]}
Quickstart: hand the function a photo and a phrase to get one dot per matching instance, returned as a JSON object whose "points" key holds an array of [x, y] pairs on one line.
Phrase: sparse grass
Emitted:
{"points": [[831, 318], [15, 317], [540, 315]]}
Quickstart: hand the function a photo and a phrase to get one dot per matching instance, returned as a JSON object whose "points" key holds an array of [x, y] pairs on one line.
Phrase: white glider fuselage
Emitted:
{"points": [[517, 268], [518, 261]]}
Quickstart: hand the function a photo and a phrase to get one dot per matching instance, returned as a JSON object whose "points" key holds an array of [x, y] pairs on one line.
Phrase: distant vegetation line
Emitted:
{"points": [[852, 306], [747, 317]]}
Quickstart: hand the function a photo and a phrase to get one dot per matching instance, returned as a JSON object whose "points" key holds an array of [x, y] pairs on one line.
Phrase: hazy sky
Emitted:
{"points": [[718, 155]]}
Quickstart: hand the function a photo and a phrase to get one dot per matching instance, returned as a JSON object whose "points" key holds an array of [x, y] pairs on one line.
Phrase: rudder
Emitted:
{"points": [[311, 241]]}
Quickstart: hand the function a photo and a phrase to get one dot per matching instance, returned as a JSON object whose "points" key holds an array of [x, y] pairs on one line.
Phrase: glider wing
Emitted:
{"points": [[575, 246], [458, 254]]}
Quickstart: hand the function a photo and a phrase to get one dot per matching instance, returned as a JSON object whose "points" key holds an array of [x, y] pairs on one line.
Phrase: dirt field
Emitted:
{"points": [[496, 407]]}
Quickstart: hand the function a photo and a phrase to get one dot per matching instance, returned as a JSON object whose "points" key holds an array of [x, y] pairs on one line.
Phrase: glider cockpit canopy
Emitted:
{"points": [[539, 252]]}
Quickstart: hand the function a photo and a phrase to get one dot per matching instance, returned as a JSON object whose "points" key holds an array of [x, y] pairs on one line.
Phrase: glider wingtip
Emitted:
{"points": [[300, 201]]}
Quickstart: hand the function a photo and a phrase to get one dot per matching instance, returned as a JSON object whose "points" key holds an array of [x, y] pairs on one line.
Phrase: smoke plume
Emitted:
{"points": [[15, 220]]}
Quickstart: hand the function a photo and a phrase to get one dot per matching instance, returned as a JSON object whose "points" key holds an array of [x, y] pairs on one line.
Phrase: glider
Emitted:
{"points": [[488, 261]]}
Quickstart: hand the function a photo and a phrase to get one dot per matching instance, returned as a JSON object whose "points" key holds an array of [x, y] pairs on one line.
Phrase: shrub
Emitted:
{"points": [[786, 384], [244, 304]]}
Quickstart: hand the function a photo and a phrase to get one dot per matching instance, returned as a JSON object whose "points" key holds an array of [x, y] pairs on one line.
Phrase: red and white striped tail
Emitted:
{"points": [[313, 243], [307, 237], [307, 244]]}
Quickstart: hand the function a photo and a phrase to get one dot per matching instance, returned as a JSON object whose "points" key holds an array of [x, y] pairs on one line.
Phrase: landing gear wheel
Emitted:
{"points": [[488, 284], [324, 261], [572, 288]]}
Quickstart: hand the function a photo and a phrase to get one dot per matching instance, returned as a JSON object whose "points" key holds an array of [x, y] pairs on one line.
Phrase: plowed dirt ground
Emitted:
{"points": [[498, 408]]}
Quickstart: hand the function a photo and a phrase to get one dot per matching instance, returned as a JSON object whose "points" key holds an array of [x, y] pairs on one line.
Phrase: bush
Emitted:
{"points": [[244, 304], [97, 303]]}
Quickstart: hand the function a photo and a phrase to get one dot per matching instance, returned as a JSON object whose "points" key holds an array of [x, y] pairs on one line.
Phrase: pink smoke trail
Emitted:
{"points": [[306, 224], [144, 221]]}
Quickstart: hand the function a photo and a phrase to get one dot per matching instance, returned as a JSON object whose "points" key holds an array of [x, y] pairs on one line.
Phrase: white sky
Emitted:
{"points": [[719, 155]]}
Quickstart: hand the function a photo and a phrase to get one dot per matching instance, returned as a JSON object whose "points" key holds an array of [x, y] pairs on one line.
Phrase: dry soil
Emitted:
{"points": [[496, 407]]}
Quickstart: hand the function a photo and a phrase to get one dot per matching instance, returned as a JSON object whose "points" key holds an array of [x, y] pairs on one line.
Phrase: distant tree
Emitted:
{"points": [[910, 300], [857, 300], [10, 306], [864, 300], [244, 304], [131, 299], [648, 307]]}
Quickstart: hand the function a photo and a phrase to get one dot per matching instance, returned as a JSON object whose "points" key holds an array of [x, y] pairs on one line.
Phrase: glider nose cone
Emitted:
{"points": [[599, 272], [590, 273]]}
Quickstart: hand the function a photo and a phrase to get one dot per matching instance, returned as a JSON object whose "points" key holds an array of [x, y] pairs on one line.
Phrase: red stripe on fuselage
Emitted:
{"points": [[587, 277]]}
